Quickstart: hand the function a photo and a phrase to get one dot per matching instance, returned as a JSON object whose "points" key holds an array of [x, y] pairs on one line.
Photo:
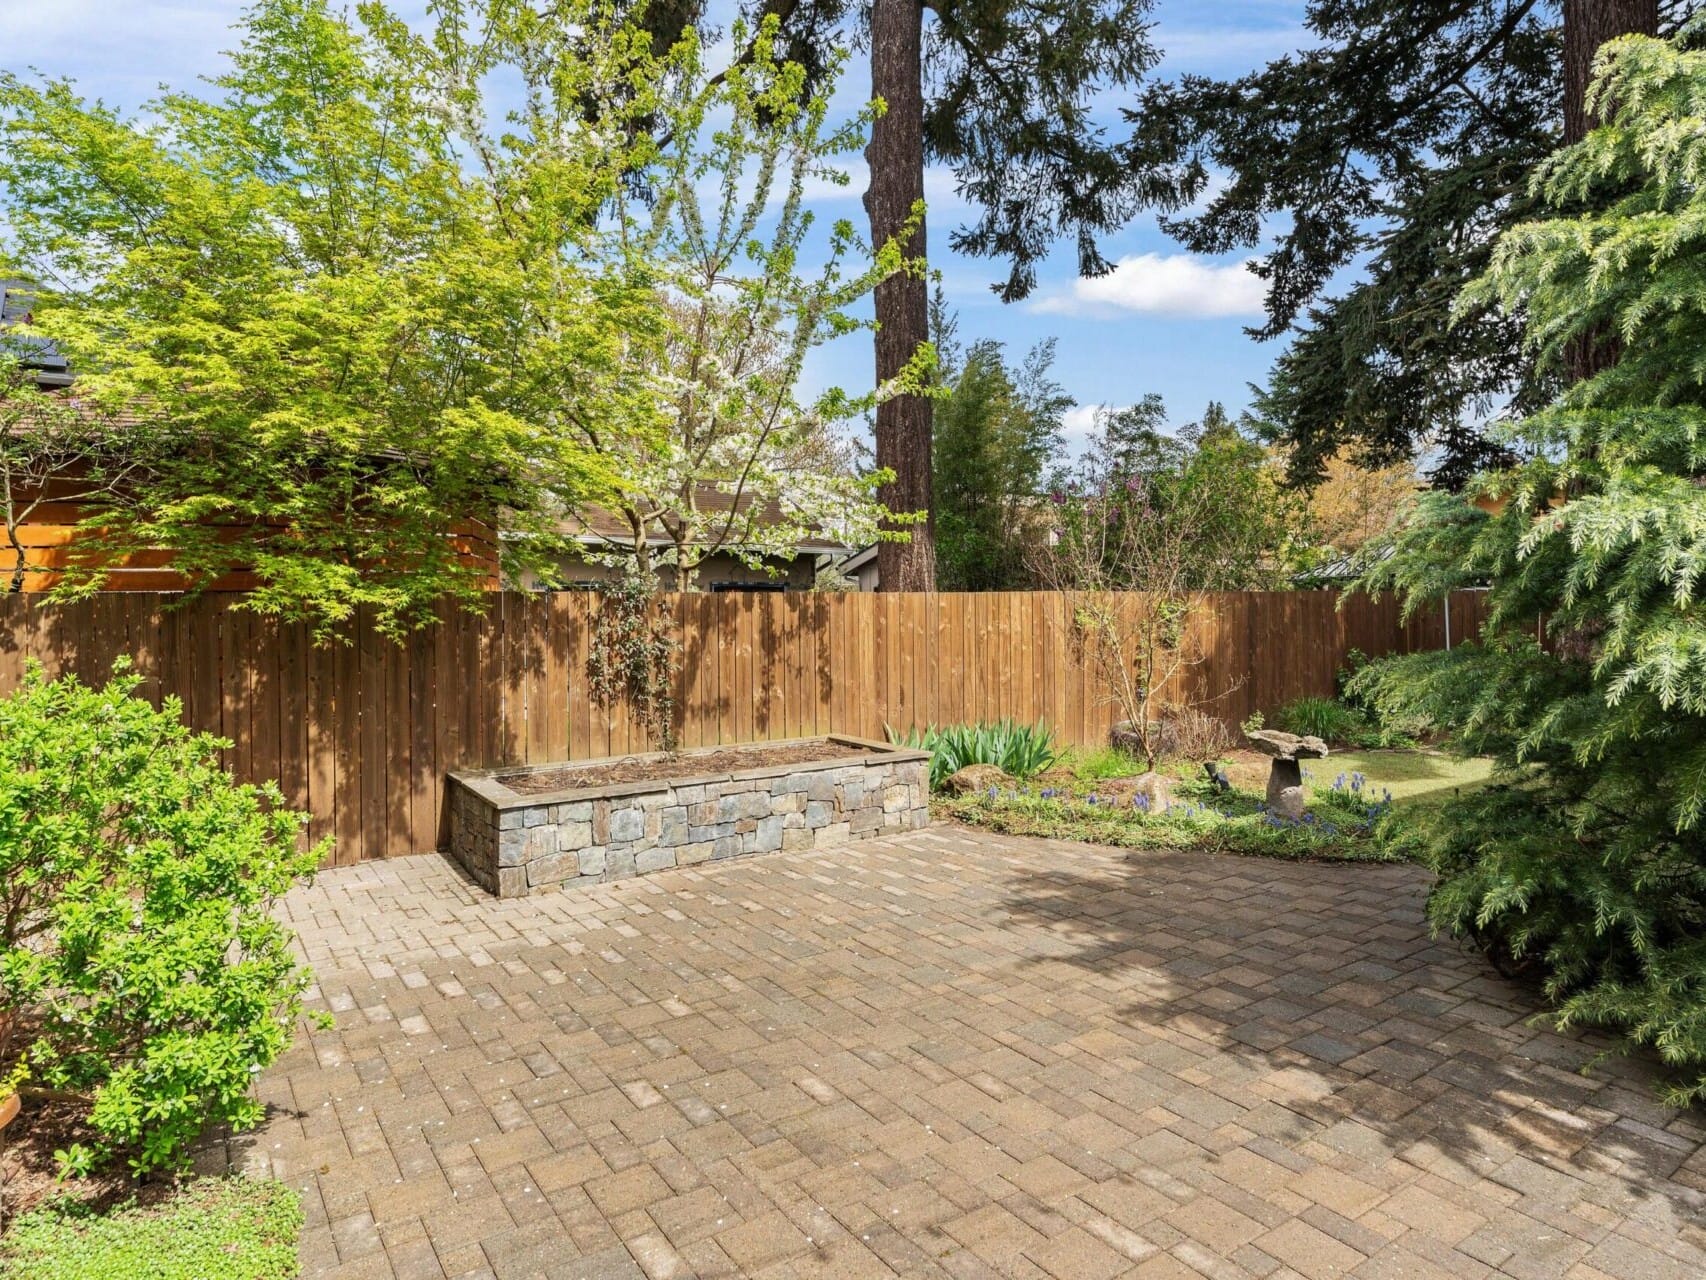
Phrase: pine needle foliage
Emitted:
{"points": [[1587, 864]]}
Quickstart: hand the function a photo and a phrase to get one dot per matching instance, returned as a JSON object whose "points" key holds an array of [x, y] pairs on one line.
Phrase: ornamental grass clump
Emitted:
{"points": [[1022, 750], [141, 967]]}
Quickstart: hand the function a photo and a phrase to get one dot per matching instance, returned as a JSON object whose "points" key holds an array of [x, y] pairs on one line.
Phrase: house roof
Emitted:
{"points": [[16, 302], [596, 525]]}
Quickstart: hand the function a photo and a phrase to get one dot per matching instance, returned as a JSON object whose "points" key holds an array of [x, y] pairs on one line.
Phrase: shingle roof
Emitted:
{"points": [[598, 524]]}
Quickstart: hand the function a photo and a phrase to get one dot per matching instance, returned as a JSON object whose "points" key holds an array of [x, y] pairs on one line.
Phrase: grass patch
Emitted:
{"points": [[244, 1228], [1409, 774], [1103, 762]]}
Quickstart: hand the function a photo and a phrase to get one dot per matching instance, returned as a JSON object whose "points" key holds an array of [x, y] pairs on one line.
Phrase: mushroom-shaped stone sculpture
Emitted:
{"points": [[1285, 778]]}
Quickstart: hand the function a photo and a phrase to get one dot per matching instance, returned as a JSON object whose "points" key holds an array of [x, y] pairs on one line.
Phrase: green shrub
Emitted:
{"points": [[229, 1227], [141, 964], [1023, 750], [1585, 863]]}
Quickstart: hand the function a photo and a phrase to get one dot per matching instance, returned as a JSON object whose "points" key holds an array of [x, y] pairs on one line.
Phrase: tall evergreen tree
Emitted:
{"points": [[994, 432], [1587, 864], [1405, 135], [1000, 91]]}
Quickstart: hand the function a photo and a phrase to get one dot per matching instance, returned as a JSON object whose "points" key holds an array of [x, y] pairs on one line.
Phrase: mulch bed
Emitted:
{"points": [[723, 760], [28, 1174]]}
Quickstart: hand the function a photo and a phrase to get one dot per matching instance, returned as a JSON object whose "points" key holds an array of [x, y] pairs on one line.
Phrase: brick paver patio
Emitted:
{"points": [[952, 1054]]}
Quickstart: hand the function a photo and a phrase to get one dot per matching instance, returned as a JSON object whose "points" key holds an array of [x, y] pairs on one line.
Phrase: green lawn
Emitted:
{"points": [[215, 1229], [1409, 775]]}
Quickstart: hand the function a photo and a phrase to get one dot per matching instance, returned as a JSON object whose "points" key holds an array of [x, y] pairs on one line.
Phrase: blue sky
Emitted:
{"points": [[1163, 322]]}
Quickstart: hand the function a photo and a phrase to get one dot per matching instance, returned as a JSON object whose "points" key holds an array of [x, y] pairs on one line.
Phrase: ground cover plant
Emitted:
{"points": [[1348, 819], [142, 971], [227, 1227]]}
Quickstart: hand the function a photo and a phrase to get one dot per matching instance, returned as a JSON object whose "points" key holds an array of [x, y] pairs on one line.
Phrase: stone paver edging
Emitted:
{"points": [[951, 1054]]}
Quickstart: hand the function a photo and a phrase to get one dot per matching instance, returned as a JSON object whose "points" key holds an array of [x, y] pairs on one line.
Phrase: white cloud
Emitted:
{"points": [[1080, 420], [1163, 284]]}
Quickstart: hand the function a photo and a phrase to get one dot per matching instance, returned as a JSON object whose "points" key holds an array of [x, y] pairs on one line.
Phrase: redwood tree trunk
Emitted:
{"points": [[896, 160], [1587, 25]]}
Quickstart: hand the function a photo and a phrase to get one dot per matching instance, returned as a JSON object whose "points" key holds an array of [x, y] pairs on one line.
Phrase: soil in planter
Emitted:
{"points": [[690, 765]]}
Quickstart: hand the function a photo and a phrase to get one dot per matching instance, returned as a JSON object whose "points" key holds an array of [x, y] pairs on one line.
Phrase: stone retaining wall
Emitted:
{"points": [[515, 844]]}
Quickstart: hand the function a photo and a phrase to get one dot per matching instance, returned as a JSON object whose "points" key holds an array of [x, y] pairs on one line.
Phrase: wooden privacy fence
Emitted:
{"points": [[360, 735]]}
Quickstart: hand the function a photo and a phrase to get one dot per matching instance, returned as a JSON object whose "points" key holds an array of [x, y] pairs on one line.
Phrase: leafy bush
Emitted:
{"points": [[237, 1227], [1345, 821], [141, 964], [1023, 750]]}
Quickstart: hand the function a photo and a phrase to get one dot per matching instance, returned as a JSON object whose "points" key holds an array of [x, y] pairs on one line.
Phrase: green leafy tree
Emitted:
{"points": [[1588, 865], [1172, 518], [367, 313], [291, 284], [1209, 488], [141, 964], [996, 429], [706, 232], [1401, 136]]}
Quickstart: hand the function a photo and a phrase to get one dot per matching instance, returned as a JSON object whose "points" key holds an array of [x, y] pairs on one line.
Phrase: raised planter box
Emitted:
{"points": [[514, 837]]}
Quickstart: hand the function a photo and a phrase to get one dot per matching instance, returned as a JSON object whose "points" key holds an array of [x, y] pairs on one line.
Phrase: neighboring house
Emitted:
{"points": [[607, 538], [37, 355], [860, 569]]}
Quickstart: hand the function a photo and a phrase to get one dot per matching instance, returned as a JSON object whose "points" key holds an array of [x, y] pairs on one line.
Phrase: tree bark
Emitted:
{"points": [[895, 157], [1588, 24]]}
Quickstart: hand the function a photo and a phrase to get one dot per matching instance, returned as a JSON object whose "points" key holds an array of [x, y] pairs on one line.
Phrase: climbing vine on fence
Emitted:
{"points": [[632, 659]]}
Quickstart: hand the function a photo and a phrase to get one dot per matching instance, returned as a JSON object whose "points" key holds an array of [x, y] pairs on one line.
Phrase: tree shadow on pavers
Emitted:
{"points": [[1312, 995]]}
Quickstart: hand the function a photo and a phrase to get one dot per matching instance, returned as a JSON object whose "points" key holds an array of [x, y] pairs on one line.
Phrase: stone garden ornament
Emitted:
{"points": [[1285, 778]]}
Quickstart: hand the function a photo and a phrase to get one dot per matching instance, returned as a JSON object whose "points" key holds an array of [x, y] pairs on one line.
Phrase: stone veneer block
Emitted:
{"points": [[515, 844]]}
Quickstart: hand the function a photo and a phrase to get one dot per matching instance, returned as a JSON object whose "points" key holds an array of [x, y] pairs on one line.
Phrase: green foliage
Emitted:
{"points": [[236, 1227], [1340, 724], [1588, 863], [141, 963], [1399, 136], [1023, 750], [993, 432], [1322, 717], [1344, 821], [1148, 511], [355, 311], [1100, 763]]}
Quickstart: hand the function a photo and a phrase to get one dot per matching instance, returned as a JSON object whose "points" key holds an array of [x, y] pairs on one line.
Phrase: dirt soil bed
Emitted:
{"points": [[29, 1175], [690, 765]]}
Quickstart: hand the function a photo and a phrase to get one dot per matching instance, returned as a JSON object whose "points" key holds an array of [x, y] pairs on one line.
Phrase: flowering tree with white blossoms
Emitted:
{"points": [[724, 227], [696, 245]]}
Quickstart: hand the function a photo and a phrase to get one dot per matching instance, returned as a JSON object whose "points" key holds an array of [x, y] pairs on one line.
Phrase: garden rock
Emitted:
{"points": [[1285, 778], [977, 777], [1156, 789]]}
